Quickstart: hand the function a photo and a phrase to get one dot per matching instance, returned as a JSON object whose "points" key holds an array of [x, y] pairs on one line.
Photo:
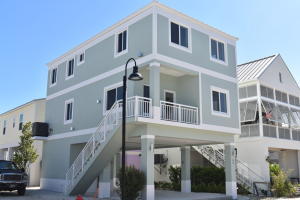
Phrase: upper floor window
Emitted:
{"points": [[121, 43], [249, 91], [113, 95], [179, 35], [53, 77], [21, 120], [266, 92], [81, 58], [281, 96], [217, 50], [220, 99], [70, 69], [280, 77], [294, 100], [14, 123], [4, 127], [68, 116]]}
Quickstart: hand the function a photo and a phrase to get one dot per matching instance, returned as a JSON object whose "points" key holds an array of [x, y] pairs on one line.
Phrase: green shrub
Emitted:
{"points": [[135, 181], [162, 185], [207, 175], [281, 186], [175, 177]]}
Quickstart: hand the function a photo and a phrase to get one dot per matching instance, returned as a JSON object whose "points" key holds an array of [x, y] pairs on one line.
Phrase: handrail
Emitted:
{"points": [[214, 155], [136, 106], [179, 112]]}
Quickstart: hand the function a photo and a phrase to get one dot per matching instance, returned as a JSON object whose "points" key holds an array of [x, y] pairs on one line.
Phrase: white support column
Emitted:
{"points": [[147, 165], [186, 169], [10, 152], [230, 170], [154, 81], [260, 118], [105, 182]]}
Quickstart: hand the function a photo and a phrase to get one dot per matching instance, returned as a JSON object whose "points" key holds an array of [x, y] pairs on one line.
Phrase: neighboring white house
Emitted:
{"points": [[270, 117], [11, 123]]}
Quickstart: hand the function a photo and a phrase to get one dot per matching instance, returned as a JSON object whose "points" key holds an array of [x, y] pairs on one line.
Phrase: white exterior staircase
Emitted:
{"points": [[103, 145], [245, 176]]}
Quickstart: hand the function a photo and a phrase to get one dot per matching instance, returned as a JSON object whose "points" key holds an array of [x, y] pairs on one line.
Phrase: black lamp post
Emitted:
{"points": [[134, 76]]}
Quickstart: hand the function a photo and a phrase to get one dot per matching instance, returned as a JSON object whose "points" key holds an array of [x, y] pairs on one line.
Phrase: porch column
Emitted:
{"points": [[10, 152], [230, 172], [104, 182], [147, 165], [1, 154], [116, 168], [186, 169], [154, 81]]}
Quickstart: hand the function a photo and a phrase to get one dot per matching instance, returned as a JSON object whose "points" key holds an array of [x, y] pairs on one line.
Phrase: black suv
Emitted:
{"points": [[12, 178]]}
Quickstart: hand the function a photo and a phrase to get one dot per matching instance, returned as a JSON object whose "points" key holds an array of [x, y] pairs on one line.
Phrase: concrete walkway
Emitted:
{"points": [[37, 194]]}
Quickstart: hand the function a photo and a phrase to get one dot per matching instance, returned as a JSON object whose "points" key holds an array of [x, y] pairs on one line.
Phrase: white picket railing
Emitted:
{"points": [[245, 176], [178, 112], [135, 107]]}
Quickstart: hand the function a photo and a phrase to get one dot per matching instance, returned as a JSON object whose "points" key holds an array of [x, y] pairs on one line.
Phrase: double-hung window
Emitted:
{"points": [[81, 58], [21, 118], [53, 77], [217, 50], [220, 99], [121, 43], [69, 107], [179, 35], [113, 95], [4, 127], [70, 69]]}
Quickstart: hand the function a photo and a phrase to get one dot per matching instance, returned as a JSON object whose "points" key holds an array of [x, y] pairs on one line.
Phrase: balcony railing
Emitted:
{"points": [[178, 113]]}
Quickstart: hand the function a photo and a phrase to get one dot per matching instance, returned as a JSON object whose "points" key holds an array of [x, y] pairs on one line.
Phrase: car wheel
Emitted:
{"points": [[21, 191]]}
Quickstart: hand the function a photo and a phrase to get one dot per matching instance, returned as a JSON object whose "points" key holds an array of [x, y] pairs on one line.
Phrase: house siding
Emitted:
{"points": [[200, 55]]}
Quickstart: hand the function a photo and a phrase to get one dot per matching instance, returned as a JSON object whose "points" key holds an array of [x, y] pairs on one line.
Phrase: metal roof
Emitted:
{"points": [[252, 70]]}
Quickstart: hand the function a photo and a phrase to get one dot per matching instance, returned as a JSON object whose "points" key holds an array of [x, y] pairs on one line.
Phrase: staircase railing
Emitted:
{"points": [[245, 176], [135, 107]]}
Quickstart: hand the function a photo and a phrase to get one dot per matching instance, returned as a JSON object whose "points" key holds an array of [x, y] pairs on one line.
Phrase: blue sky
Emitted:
{"points": [[34, 32]]}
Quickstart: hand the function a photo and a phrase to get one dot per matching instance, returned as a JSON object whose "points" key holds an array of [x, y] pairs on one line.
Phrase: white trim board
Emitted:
{"points": [[5, 146], [141, 61], [98, 77]]}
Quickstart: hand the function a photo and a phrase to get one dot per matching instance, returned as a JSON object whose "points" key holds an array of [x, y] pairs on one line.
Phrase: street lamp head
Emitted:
{"points": [[135, 75]]}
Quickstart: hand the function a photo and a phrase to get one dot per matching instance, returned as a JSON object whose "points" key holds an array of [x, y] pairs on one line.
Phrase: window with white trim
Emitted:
{"points": [[113, 95], [217, 50], [70, 69], [179, 35], [69, 110], [4, 127], [121, 42], [220, 101], [21, 118], [53, 77], [80, 58], [281, 96], [267, 92], [293, 100], [14, 122]]}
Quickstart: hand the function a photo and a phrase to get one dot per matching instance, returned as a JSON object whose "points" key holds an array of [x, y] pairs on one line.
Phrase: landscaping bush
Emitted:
{"points": [[163, 185], [207, 175], [175, 177], [135, 181], [281, 186]]}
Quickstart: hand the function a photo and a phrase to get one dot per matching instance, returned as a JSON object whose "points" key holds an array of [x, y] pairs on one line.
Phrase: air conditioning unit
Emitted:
{"points": [[40, 129]]}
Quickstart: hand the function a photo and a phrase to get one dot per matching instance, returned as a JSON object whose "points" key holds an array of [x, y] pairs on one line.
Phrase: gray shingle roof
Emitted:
{"points": [[252, 70]]}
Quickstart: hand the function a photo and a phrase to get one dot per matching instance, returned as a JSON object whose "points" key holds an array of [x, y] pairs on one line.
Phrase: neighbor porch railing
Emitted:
{"points": [[178, 112]]}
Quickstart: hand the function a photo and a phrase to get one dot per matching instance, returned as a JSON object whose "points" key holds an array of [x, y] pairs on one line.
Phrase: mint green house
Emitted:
{"points": [[189, 96]]}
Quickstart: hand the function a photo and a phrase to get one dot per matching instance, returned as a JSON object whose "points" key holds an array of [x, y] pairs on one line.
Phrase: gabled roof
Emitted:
{"points": [[22, 106], [252, 70]]}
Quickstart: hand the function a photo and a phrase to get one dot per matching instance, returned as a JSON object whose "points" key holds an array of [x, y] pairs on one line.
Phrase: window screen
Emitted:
{"points": [[266, 92], [248, 111]]}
